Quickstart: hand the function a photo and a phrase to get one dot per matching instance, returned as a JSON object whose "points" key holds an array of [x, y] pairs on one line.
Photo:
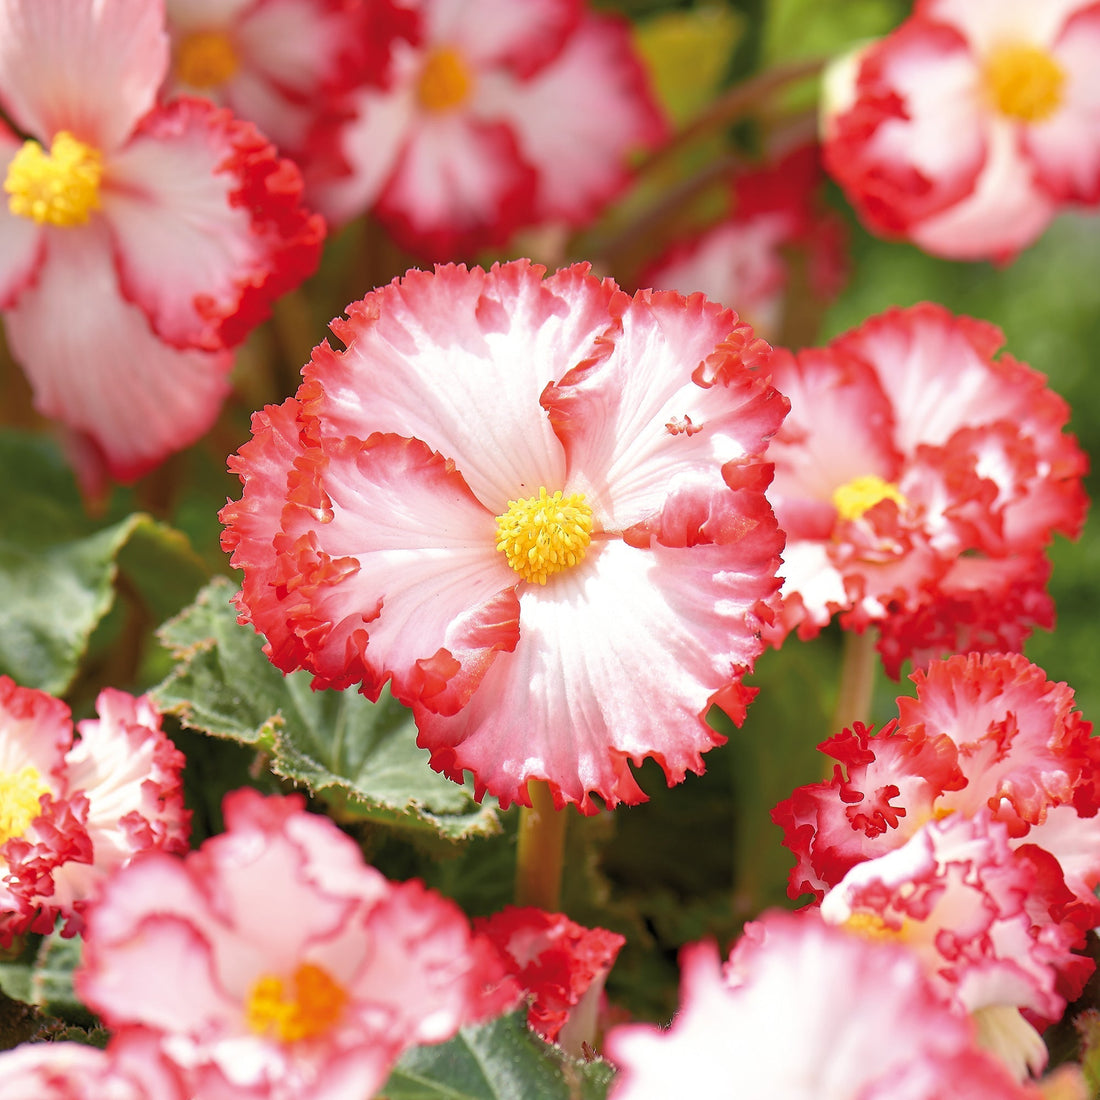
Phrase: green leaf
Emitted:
{"points": [[361, 757], [59, 568], [499, 1060], [52, 978]]}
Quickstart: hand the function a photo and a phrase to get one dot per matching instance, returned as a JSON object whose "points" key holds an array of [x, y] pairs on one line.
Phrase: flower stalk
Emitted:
{"points": [[540, 850]]}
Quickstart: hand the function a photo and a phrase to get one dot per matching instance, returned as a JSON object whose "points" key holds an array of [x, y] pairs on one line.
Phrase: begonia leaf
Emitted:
{"points": [[360, 757], [52, 978], [498, 1060], [59, 568]]}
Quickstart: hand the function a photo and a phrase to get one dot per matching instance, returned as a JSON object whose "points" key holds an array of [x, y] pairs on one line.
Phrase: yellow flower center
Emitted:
{"points": [[445, 80], [543, 535], [19, 805], [205, 59], [312, 1007], [861, 494], [60, 187], [872, 927], [1024, 82]]}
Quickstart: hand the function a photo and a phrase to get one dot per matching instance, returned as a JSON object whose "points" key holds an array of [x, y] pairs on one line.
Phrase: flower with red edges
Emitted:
{"points": [[959, 897], [777, 225], [73, 812], [130, 1069], [535, 506], [282, 64], [138, 241], [805, 1011], [984, 734], [498, 116], [560, 964], [919, 480], [970, 126], [286, 966]]}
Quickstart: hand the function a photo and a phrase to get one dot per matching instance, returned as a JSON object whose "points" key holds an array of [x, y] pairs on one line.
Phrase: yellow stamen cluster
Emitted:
{"points": [[60, 187], [861, 494], [311, 1009], [205, 59], [872, 927], [543, 535], [19, 805], [1024, 82], [445, 80]]}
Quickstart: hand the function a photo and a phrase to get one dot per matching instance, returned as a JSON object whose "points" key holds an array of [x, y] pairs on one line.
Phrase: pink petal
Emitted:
{"points": [[674, 400], [458, 359], [579, 118], [1064, 148], [987, 24], [91, 69], [207, 224], [398, 576], [501, 33], [570, 705], [22, 242], [100, 370]]}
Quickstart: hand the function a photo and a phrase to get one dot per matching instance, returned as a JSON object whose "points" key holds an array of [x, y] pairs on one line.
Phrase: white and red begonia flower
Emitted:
{"points": [[776, 214], [919, 480], [560, 964], [984, 733], [498, 116], [977, 913], [535, 506], [165, 231], [129, 1069], [807, 1012], [969, 127], [73, 812], [287, 967], [282, 64]]}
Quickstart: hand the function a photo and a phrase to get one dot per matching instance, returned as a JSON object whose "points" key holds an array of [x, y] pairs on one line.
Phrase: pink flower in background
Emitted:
{"points": [[969, 127], [286, 967], [132, 1069], [984, 734], [559, 963], [777, 213], [919, 480], [535, 507], [138, 241], [499, 115], [976, 914], [805, 1011], [72, 813], [281, 64]]}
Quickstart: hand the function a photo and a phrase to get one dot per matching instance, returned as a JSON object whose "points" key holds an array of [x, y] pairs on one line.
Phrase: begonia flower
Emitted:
{"points": [[777, 223], [560, 964], [536, 508], [807, 1012], [970, 126], [959, 897], [286, 967], [498, 116], [132, 1069], [73, 812], [919, 480], [282, 64], [138, 241], [984, 733]]}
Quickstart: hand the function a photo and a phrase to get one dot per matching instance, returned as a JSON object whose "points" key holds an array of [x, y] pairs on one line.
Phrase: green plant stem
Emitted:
{"points": [[540, 849], [859, 664]]}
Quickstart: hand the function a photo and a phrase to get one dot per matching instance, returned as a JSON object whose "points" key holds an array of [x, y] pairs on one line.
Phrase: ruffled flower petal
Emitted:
{"points": [[101, 371], [92, 70], [207, 224]]}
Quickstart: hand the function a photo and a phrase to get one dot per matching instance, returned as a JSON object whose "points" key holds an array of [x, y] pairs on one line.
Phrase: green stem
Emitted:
{"points": [[540, 850], [857, 680]]}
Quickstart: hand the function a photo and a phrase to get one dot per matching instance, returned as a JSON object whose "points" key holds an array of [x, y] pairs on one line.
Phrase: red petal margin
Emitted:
{"points": [[284, 238]]}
